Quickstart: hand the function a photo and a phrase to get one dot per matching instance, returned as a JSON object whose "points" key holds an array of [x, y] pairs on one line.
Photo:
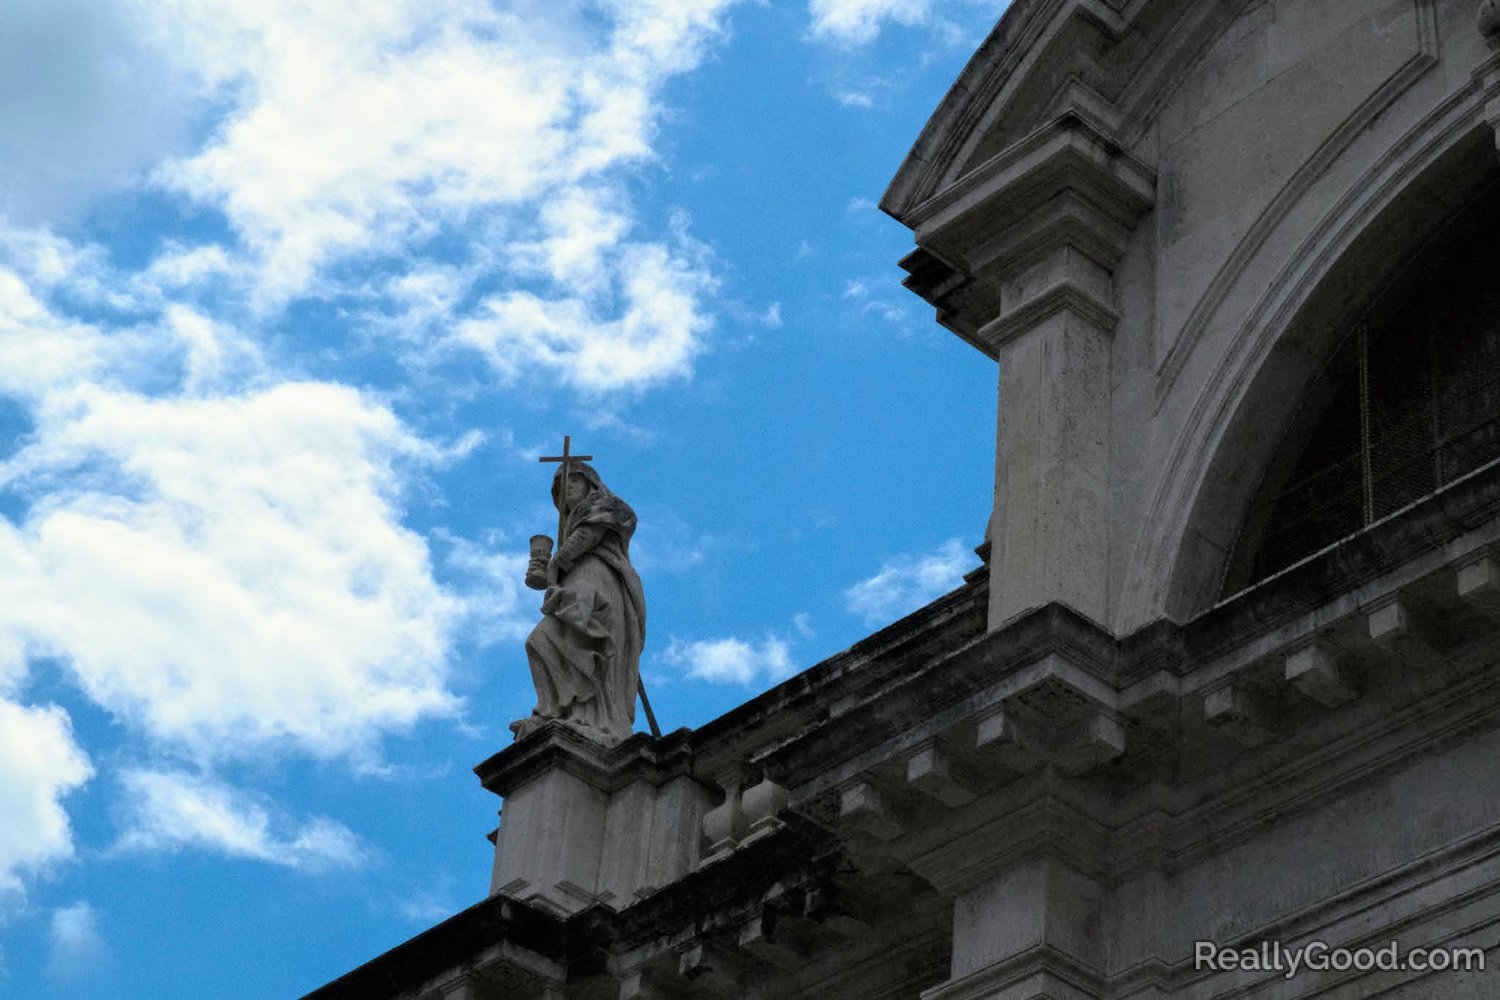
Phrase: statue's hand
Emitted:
{"points": [[552, 573]]}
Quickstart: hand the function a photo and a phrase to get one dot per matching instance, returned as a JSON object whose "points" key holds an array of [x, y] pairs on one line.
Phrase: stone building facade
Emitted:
{"points": [[1228, 679]]}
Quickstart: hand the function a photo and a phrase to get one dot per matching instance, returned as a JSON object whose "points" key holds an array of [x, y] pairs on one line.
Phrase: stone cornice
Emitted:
{"points": [[1051, 709], [781, 713], [1073, 152], [1034, 230], [534, 946], [1024, 44], [559, 746]]}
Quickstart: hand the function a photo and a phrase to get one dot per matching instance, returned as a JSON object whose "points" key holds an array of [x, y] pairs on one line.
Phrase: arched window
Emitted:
{"points": [[1409, 403]]}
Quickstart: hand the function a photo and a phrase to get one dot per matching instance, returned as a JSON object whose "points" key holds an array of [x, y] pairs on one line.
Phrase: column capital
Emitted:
{"points": [[1036, 228]]}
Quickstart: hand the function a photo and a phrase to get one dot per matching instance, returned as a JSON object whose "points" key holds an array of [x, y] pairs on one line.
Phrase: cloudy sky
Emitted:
{"points": [[292, 295]]}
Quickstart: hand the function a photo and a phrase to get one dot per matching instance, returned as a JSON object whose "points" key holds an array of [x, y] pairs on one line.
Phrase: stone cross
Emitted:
{"points": [[567, 461]]}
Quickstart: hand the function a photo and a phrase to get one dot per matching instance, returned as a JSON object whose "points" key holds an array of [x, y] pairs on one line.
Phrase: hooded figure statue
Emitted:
{"points": [[585, 653]]}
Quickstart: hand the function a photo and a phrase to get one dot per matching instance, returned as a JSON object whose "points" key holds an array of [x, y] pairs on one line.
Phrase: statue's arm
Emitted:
{"points": [[579, 541]]}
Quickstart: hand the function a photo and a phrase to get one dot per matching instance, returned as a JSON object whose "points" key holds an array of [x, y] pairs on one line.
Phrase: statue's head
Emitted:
{"points": [[582, 482]]}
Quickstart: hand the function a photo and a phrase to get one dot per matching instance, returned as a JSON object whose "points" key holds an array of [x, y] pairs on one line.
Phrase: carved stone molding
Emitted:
{"points": [[1033, 230]]}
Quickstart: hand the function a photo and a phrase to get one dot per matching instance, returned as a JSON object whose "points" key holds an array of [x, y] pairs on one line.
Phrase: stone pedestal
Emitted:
{"points": [[584, 824]]}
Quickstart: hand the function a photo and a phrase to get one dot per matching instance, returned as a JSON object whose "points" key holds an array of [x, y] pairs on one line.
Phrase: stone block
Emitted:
{"points": [[758, 938], [1237, 712], [999, 734], [1478, 583], [927, 771], [1085, 745], [863, 807], [709, 968], [1394, 626], [1313, 669]]}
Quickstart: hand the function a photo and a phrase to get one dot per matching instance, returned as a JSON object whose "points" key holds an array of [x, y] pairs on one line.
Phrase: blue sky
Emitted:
{"points": [[292, 296]]}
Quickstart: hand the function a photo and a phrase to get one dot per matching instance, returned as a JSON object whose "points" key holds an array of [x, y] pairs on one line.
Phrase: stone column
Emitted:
{"points": [[1019, 254]]}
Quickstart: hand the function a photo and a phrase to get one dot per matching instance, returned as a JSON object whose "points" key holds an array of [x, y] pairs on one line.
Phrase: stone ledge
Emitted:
{"points": [[558, 745]]}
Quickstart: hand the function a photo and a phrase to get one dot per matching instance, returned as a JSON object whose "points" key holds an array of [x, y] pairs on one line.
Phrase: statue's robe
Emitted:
{"points": [[585, 653]]}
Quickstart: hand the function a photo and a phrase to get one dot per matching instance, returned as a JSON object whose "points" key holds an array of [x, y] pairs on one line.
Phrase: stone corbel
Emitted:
{"points": [[1313, 668], [863, 807], [708, 968], [1478, 584], [1394, 626], [1239, 713]]}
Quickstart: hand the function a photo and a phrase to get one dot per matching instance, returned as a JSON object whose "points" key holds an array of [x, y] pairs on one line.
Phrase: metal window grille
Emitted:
{"points": [[1409, 403]]}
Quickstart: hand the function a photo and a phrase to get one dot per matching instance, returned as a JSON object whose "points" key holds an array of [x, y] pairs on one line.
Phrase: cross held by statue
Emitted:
{"points": [[567, 461]]}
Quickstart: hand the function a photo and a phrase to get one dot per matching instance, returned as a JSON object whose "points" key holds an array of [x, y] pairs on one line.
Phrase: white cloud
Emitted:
{"points": [[732, 661], [39, 765], [230, 574], [77, 947], [907, 582], [667, 543], [654, 337], [226, 572], [368, 133], [497, 604], [857, 22], [170, 810], [426, 908], [92, 100]]}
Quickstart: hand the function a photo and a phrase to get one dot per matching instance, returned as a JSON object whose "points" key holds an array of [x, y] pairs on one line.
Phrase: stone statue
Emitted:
{"points": [[1489, 20], [585, 653]]}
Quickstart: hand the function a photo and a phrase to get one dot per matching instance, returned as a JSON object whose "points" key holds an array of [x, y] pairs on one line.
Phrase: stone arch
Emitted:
{"points": [[1225, 446]]}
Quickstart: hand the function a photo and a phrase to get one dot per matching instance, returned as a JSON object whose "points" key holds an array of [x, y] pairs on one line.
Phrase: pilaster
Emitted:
{"points": [[1018, 255], [1031, 933]]}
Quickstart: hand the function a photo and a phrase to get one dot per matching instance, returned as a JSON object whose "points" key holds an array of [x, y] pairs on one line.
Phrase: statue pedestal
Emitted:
{"points": [[583, 823]]}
